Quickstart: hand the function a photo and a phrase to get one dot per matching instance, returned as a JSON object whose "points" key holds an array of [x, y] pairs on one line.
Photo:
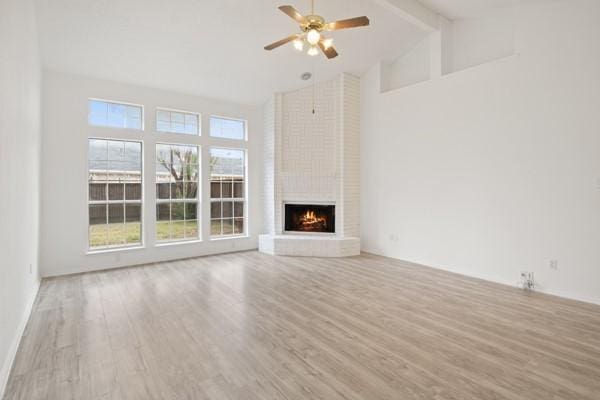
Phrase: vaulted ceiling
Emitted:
{"points": [[213, 48]]}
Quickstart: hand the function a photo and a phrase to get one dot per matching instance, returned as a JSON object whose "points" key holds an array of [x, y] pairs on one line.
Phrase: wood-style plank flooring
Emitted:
{"points": [[253, 326]]}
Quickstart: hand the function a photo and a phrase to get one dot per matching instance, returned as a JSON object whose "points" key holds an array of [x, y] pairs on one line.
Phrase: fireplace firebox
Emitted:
{"points": [[309, 218]]}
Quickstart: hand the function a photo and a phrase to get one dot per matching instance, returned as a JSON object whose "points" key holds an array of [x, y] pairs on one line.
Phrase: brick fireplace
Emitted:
{"points": [[312, 176]]}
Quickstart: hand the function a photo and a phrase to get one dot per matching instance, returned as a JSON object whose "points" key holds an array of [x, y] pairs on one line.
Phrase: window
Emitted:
{"points": [[114, 193], [227, 192], [177, 122], [227, 128], [177, 170], [114, 115]]}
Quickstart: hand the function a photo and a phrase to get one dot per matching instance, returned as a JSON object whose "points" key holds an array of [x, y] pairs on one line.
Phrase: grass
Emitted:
{"points": [[130, 233]]}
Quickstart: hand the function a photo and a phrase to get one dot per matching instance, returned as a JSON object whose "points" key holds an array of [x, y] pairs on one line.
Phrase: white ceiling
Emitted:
{"points": [[454, 9], [211, 48], [214, 48]]}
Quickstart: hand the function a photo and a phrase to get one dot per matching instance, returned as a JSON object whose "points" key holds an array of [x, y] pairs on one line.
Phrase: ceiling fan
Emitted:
{"points": [[311, 31]]}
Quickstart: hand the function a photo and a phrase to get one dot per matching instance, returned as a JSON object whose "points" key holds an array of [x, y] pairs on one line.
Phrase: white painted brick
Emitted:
{"points": [[313, 157]]}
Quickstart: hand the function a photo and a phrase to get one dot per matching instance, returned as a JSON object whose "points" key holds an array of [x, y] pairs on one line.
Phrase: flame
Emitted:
{"points": [[311, 218]]}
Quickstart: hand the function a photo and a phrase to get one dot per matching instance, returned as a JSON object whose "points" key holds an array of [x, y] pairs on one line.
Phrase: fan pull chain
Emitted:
{"points": [[314, 83]]}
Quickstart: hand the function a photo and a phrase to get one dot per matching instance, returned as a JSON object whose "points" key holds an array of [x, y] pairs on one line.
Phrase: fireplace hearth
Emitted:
{"points": [[309, 218]]}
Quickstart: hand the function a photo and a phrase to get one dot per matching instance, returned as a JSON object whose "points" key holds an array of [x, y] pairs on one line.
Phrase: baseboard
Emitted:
{"points": [[484, 277], [10, 359]]}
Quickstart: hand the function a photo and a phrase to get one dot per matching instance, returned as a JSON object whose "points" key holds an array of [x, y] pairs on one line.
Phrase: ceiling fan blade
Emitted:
{"points": [[346, 23], [281, 42], [292, 12], [329, 51]]}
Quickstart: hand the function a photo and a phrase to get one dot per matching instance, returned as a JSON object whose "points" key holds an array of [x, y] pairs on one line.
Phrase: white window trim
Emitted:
{"points": [[199, 239], [244, 234], [142, 202]]}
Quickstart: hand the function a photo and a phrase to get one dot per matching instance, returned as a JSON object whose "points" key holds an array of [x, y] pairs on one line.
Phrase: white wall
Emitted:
{"points": [[20, 93], [496, 169], [64, 171], [475, 41]]}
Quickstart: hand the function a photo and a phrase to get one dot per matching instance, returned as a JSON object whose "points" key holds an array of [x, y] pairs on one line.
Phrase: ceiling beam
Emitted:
{"points": [[414, 12]]}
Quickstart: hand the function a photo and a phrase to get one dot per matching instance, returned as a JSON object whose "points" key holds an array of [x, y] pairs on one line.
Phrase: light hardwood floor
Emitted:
{"points": [[252, 326]]}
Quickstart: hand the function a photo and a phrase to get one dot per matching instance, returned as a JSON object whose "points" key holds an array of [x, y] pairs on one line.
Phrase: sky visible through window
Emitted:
{"points": [[227, 128], [114, 115]]}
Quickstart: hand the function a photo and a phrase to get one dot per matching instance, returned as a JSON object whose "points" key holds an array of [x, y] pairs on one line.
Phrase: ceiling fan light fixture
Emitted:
{"points": [[312, 51], [327, 43], [298, 44], [313, 36]]}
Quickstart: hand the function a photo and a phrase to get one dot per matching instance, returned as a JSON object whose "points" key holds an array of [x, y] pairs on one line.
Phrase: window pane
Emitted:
{"points": [[227, 176], [215, 190], [162, 231], [190, 173], [228, 226], [116, 191], [191, 229], [238, 226], [227, 209], [177, 117], [177, 212], [122, 160], [215, 227], [177, 180], [116, 234], [191, 211], [97, 191], [191, 190], [97, 214], [116, 213], [177, 190], [163, 126], [132, 156], [133, 232], [238, 190], [133, 213], [98, 235], [215, 209], [133, 191], [163, 212], [177, 230], [98, 150], [163, 190], [238, 209], [163, 116], [227, 128], [177, 122], [114, 115], [226, 190]]}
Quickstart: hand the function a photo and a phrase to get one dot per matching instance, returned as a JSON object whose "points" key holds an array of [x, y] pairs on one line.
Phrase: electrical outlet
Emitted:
{"points": [[527, 280], [554, 265], [393, 237]]}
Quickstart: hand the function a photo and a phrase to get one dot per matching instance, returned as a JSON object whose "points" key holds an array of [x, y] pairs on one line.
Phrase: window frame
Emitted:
{"points": [[141, 202], [125, 103], [245, 217], [245, 121], [197, 199], [197, 114]]}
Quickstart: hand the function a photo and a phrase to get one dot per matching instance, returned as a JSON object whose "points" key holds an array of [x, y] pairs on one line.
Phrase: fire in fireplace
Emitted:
{"points": [[315, 218]]}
